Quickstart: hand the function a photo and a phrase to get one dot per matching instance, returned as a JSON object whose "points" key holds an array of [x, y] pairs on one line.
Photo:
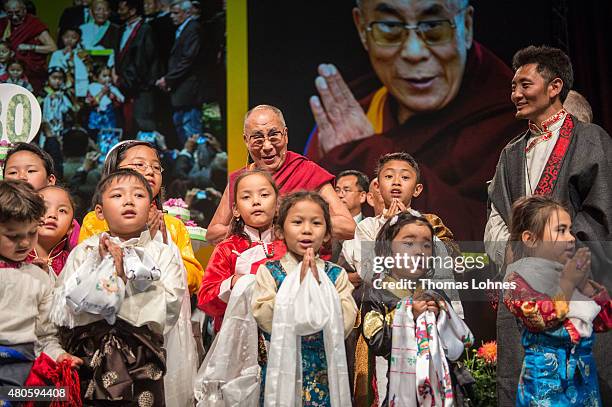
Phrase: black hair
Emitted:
{"points": [[551, 63], [399, 156], [290, 200], [98, 68], [76, 29], [111, 164], [20, 202], [32, 148], [384, 238], [55, 69], [119, 175], [237, 223], [61, 188], [76, 142], [363, 181], [134, 5]]}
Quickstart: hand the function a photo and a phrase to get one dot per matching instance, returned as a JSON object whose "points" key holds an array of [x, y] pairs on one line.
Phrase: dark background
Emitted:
{"points": [[287, 40]]}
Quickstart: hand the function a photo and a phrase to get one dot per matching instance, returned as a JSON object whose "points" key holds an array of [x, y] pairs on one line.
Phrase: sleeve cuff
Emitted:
{"points": [[225, 290]]}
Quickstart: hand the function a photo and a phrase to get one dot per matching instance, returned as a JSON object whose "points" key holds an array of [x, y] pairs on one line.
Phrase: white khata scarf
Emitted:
{"points": [[230, 371], [304, 309], [419, 374]]}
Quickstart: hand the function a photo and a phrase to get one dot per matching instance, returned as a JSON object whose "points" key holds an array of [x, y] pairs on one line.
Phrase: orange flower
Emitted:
{"points": [[488, 352]]}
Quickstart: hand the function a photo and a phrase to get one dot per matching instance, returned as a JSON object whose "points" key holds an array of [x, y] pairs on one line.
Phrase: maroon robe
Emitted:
{"points": [[457, 147], [297, 173], [35, 64]]}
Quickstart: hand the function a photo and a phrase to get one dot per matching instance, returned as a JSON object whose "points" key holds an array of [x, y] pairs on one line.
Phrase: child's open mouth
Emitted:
{"points": [[130, 214]]}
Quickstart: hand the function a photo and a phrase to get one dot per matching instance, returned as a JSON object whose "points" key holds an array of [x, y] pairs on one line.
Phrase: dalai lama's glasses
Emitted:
{"points": [[258, 140], [394, 33]]}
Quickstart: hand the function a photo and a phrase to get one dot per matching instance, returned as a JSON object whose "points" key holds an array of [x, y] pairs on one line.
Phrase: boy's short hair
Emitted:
{"points": [[32, 148], [399, 156], [20, 202], [119, 175], [362, 180]]}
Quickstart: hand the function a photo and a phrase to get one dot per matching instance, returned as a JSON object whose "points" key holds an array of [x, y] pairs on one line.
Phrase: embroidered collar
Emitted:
{"points": [[53, 253], [257, 236], [546, 130]]}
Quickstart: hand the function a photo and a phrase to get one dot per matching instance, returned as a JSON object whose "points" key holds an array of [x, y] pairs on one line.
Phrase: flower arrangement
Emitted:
{"points": [[482, 363], [175, 203]]}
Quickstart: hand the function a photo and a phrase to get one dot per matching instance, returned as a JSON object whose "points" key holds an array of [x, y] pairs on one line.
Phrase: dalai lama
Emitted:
{"points": [[265, 136], [438, 95]]}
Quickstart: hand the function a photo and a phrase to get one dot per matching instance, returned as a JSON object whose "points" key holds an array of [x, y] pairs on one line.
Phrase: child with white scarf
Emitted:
{"points": [[410, 332], [306, 305], [117, 296]]}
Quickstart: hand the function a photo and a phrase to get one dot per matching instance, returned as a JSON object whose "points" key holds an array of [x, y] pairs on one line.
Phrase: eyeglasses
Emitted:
{"points": [[258, 140], [142, 167], [394, 33]]}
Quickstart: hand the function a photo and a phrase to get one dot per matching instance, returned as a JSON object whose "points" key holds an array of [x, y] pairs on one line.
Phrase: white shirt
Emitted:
{"points": [[129, 27], [496, 231]]}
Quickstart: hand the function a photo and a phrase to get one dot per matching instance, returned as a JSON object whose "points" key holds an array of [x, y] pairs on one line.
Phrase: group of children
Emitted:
{"points": [[75, 88], [111, 306]]}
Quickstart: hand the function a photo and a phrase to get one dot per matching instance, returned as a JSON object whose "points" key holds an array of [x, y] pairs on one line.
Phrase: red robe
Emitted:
{"points": [[296, 173], [35, 64], [457, 147], [221, 266], [58, 256]]}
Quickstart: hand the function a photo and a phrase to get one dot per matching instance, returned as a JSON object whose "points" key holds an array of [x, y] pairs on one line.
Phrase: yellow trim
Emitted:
{"points": [[375, 112], [237, 81]]}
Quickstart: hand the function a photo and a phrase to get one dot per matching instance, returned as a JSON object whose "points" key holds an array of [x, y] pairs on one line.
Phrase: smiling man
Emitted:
{"points": [[265, 136], [437, 95], [565, 159]]}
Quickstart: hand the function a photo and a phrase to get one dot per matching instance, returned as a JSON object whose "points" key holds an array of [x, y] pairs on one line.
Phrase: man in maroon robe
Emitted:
{"points": [[444, 100], [29, 38], [265, 136]]}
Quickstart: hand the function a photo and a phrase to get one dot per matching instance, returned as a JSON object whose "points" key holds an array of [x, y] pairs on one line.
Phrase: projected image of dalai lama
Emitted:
{"points": [[436, 94]]}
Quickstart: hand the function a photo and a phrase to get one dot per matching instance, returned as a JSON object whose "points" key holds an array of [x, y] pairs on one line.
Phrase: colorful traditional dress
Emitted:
{"points": [[57, 257], [314, 353], [558, 367], [379, 321], [123, 352], [237, 254]]}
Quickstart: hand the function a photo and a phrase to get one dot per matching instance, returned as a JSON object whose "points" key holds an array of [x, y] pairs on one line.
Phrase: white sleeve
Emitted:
{"points": [[496, 236]]}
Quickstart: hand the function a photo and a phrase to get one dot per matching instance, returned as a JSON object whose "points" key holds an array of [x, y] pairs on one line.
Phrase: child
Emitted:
{"points": [[56, 105], [143, 158], [29, 163], [558, 305], [5, 57], [407, 234], [53, 244], [26, 292], [15, 75], [303, 296], [118, 341], [73, 59], [104, 98], [399, 181], [250, 242]]}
